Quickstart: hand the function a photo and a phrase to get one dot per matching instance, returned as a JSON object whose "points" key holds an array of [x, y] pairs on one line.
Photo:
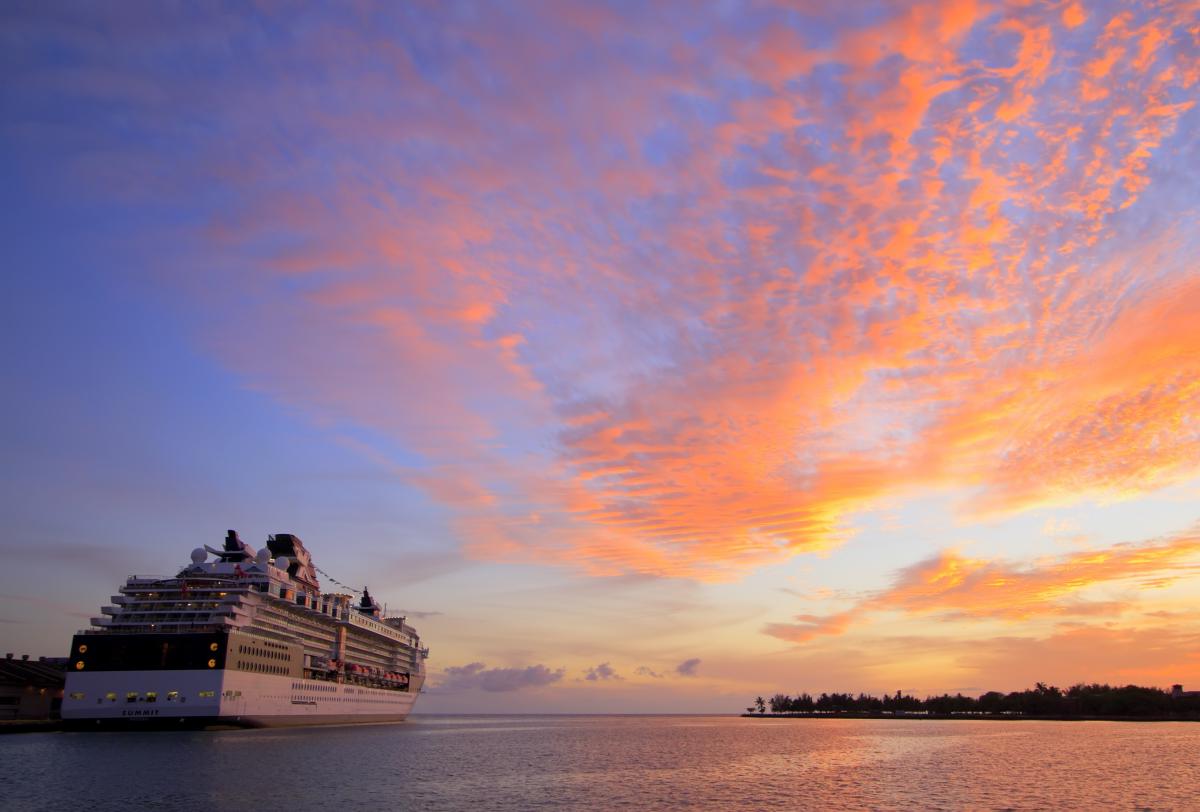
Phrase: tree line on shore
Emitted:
{"points": [[1041, 700]]}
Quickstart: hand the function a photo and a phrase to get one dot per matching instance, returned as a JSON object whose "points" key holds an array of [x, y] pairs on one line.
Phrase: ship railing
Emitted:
{"points": [[357, 619], [220, 580], [163, 628]]}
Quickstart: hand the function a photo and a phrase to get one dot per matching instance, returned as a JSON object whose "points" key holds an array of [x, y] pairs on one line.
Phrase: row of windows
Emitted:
{"points": [[175, 696], [134, 592], [361, 700], [148, 696], [175, 618], [261, 652], [261, 668], [168, 606], [300, 686]]}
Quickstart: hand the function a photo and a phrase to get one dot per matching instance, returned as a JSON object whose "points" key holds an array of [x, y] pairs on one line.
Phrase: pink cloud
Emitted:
{"points": [[692, 292]]}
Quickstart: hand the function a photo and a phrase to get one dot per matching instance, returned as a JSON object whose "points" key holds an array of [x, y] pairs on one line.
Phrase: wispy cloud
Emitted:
{"points": [[688, 668], [953, 586]]}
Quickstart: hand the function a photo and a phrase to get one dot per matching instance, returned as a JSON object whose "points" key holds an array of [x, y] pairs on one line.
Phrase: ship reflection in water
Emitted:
{"points": [[643, 763]]}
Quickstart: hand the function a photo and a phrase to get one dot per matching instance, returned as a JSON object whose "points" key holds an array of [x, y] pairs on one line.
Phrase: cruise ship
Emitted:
{"points": [[246, 638]]}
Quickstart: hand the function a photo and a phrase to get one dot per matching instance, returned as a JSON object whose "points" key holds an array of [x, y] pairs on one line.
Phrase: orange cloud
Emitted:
{"points": [[1117, 419], [695, 305], [951, 585], [1158, 655], [1074, 16]]}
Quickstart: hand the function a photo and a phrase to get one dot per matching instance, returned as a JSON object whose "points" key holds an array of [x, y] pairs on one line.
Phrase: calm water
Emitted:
{"points": [[607, 762]]}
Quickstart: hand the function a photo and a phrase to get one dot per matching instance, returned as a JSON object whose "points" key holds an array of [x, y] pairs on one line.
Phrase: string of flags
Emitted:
{"points": [[331, 579]]}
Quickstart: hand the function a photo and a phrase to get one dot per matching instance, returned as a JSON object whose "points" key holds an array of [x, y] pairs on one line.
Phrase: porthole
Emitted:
{"points": [[212, 646], [83, 648], [212, 663], [79, 665]]}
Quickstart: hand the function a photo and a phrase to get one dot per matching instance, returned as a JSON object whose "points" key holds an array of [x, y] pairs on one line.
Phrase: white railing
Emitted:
{"points": [[358, 619]]}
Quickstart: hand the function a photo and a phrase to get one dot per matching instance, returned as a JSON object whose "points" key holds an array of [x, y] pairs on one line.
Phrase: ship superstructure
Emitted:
{"points": [[243, 638]]}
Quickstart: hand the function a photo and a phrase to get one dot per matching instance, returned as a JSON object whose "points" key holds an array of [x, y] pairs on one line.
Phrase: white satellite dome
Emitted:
{"points": [[199, 555]]}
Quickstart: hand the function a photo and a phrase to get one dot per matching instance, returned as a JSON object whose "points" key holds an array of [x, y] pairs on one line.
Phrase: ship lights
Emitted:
{"points": [[83, 648], [212, 663], [212, 646], [79, 665]]}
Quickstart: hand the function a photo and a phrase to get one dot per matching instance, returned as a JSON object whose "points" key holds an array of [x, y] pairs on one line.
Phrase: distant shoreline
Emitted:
{"points": [[967, 717]]}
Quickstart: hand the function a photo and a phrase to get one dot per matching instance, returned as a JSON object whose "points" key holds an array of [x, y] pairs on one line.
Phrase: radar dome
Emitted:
{"points": [[282, 562], [264, 556], [199, 555]]}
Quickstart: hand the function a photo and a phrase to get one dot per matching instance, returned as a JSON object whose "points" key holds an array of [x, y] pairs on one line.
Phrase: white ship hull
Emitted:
{"points": [[223, 698], [248, 639]]}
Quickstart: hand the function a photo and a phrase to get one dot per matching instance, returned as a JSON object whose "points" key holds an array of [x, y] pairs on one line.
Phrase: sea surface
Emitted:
{"points": [[611, 763]]}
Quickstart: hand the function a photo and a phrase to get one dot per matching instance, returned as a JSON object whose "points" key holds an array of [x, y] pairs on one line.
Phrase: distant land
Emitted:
{"points": [[1082, 701]]}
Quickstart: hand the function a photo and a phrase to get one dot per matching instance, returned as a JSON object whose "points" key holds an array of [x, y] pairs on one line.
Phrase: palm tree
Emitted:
{"points": [[762, 706]]}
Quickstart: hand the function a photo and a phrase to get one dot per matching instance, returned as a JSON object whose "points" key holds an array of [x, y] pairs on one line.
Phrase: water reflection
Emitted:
{"points": [[653, 763]]}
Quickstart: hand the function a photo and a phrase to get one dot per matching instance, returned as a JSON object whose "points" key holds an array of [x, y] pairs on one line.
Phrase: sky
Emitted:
{"points": [[648, 356]]}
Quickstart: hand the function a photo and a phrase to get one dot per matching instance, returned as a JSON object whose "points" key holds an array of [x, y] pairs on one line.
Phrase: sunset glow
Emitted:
{"points": [[651, 355]]}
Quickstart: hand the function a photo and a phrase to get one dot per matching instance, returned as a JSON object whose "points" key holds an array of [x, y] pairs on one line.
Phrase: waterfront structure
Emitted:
{"points": [[246, 639], [30, 689]]}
